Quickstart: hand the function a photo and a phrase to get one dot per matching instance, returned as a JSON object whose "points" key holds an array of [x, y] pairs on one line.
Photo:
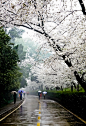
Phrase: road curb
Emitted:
{"points": [[10, 111], [69, 111]]}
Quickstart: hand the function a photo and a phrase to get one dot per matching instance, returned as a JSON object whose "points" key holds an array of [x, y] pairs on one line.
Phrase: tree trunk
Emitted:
{"points": [[78, 87], [80, 80], [61, 88], [71, 88], [82, 6]]}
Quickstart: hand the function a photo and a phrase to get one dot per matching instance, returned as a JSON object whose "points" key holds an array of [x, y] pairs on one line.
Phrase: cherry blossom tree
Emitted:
{"points": [[62, 23]]}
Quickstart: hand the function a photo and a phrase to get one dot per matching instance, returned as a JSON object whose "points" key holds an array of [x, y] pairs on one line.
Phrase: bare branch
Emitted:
{"points": [[62, 20], [29, 28]]}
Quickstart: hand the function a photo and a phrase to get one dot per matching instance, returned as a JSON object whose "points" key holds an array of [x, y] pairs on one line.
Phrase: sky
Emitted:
{"points": [[28, 33]]}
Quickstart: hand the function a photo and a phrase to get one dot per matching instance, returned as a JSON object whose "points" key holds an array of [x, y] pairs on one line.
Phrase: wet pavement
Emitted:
{"points": [[10, 108], [43, 112]]}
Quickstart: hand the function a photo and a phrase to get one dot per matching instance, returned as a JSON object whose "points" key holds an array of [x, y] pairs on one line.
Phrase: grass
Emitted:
{"points": [[74, 90], [67, 90]]}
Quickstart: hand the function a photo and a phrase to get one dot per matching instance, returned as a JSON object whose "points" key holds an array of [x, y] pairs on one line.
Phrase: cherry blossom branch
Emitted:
{"points": [[29, 28]]}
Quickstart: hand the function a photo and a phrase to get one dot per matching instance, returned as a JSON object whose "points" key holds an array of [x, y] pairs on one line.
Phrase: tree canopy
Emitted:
{"points": [[9, 70], [61, 23]]}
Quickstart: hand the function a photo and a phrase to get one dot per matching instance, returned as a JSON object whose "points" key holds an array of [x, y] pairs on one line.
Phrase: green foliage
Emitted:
{"points": [[9, 71], [26, 70], [20, 52], [32, 49], [15, 33], [74, 90], [27, 43], [34, 78], [23, 45], [23, 82]]}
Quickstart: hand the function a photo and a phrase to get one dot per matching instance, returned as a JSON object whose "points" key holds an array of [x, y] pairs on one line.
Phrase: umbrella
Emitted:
{"points": [[24, 92], [20, 91], [44, 92], [12, 92], [39, 91]]}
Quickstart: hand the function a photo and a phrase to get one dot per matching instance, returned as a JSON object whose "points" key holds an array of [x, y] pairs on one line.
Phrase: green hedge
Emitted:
{"points": [[6, 99], [75, 102]]}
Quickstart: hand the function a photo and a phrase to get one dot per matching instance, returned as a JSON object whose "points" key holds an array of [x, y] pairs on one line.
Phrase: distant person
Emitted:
{"points": [[44, 96], [14, 97], [39, 94], [24, 94], [21, 95], [44, 93], [27, 93]]}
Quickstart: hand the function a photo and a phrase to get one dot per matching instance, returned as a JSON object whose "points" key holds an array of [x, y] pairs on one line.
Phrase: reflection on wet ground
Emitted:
{"points": [[55, 115], [46, 112]]}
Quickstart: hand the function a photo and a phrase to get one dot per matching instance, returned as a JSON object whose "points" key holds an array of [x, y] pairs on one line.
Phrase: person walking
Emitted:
{"points": [[24, 94], [39, 95], [21, 95], [44, 96], [14, 97], [44, 93]]}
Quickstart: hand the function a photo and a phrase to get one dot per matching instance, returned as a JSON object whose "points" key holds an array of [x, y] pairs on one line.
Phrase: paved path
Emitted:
{"points": [[43, 112], [8, 109]]}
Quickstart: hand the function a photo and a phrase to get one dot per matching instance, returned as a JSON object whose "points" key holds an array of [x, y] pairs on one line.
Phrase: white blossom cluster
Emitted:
{"points": [[61, 23]]}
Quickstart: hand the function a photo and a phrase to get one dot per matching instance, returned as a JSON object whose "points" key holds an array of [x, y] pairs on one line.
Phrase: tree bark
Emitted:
{"points": [[82, 6], [71, 88], [80, 80]]}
